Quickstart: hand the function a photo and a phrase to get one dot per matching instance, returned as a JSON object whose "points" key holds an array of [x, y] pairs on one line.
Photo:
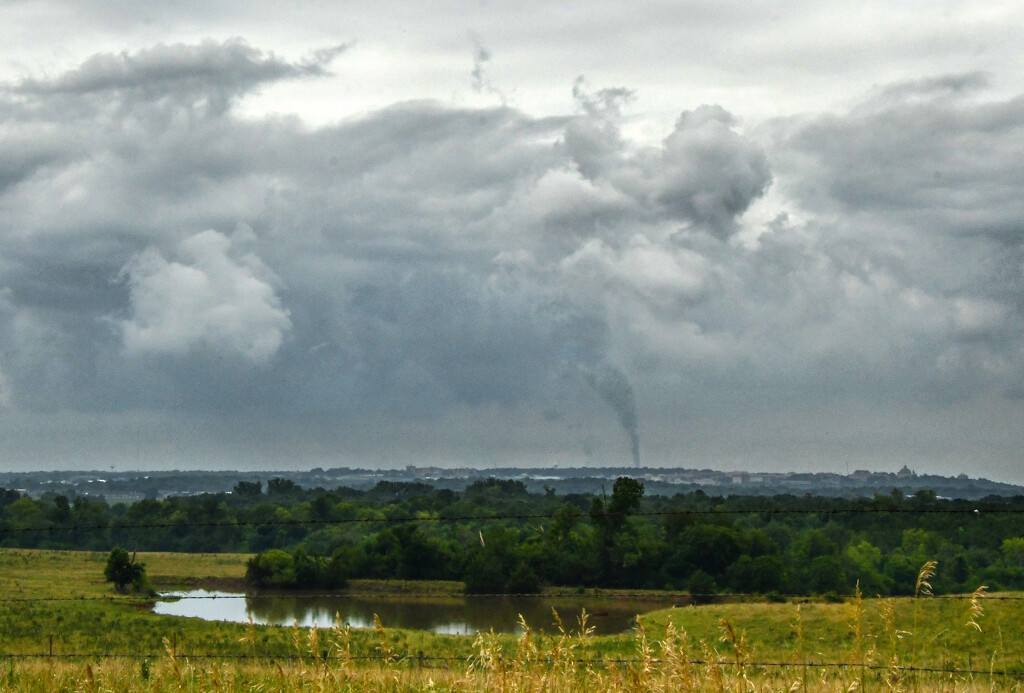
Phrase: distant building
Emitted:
{"points": [[906, 473]]}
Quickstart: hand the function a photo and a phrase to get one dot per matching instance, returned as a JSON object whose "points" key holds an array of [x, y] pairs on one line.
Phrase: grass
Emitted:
{"points": [[33, 573], [873, 638]]}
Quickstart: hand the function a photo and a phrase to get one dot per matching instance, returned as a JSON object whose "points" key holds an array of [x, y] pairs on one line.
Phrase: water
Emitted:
{"points": [[450, 615]]}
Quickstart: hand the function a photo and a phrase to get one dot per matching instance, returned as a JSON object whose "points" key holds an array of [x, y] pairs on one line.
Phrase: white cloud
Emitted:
{"points": [[211, 300], [562, 195], [656, 273], [976, 318]]}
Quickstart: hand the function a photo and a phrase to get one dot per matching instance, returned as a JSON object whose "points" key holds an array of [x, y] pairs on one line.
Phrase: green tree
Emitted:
{"points": [[761, 574], [523, 580], [248, 488], [491, 567], [124, 570], [275, 568], [1013, 552], [282, 487], [866, 562], [710, 548], [610, 521]]}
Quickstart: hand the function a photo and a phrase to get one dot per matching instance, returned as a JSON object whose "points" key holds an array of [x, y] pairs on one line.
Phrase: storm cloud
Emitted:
{"points": [[428, 282]]}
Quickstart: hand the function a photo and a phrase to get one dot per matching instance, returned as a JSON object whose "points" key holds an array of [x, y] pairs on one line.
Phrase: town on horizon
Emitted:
{"points": [[133, 485]]}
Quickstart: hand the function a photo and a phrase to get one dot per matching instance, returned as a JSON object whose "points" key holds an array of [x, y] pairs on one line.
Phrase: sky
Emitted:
{"points": [[765, 236]]}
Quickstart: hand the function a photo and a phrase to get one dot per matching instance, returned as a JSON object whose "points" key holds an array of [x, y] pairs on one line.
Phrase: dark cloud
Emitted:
{"points": [[481, 56], [920, 186], [710, 173], [922, 154], [930, 88], [705, 173], [224, 69], [451, 282]]}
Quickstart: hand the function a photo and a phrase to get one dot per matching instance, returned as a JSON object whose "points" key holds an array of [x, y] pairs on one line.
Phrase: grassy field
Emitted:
{"points": [[742, 646]]}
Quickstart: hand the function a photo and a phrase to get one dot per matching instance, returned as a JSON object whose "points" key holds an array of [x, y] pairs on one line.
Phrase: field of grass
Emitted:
{"points": [[738, 646]]}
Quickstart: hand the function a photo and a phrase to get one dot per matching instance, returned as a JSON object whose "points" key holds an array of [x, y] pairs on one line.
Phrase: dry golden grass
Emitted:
{"points": [[864, 644], [559, 665]]}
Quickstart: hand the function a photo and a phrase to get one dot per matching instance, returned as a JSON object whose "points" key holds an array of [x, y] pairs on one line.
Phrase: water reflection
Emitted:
{"points": [[451, 615]]}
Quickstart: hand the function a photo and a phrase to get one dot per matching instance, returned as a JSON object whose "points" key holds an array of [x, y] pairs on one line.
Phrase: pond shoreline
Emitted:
{"points": [[433, 588], [443, 614]]}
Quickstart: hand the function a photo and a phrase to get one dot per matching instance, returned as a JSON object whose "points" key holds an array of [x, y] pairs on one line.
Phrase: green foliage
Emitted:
{"points": [[248, 489], [124, 570], [755, 544], [297, 570], [1013, 552], [282, 487], [700, 585], [904, 632], [495, 488], [522, 580], [626, 496], [495, 567]]}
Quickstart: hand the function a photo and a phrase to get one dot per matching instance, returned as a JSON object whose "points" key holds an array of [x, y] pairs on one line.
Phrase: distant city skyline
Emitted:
{"points": [[762, 237], [130, 486]]}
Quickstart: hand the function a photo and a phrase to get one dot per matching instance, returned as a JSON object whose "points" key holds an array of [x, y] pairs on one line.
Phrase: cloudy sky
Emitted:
{"points": [[739, 235]]}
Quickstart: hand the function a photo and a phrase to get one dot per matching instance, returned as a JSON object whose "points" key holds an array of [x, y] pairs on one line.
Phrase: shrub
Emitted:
{"points": [[124, 570]]}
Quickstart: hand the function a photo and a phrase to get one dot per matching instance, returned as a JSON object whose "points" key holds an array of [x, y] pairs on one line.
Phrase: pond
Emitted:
{"points": [[449, 615]]}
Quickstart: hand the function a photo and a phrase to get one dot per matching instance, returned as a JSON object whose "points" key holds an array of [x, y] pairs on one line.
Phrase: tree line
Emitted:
{"points": [[702, 543]]}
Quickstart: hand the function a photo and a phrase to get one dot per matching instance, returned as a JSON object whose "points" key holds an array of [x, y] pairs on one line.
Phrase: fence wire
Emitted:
{"points": [[418, 659], [422, 660]]}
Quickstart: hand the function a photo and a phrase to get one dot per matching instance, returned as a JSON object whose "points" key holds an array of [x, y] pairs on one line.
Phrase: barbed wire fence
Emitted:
{"points": [[421, 659]]}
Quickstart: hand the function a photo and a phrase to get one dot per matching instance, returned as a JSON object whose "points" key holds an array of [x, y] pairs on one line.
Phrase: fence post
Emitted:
{"points": [[51, 644]]}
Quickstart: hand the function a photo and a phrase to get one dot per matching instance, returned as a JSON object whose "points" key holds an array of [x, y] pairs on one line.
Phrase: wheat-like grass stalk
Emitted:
{"points": [[313, 642], [716, 676], [643, 648], [677, 669], [90, 678], [584, 629], [384, 647], [887, 612], [927, 572], [857, 626], [250, 636], [738, 642], [564, 647], [975, 611], [739, 649], [342, 637], [798, 631], [923, 588], [526, 648], [172, 657]]}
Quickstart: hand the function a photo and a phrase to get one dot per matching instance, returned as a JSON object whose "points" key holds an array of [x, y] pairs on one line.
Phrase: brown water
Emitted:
{"points": [[452, 615]]}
